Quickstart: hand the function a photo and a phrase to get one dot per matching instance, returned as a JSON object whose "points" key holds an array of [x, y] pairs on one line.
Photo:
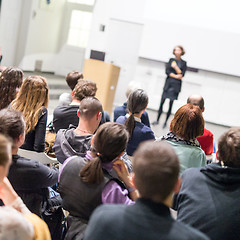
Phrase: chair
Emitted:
{"points": [[42, 157]]}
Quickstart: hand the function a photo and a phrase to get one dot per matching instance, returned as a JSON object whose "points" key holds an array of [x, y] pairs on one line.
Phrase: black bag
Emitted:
{"points": [[54, 217]]}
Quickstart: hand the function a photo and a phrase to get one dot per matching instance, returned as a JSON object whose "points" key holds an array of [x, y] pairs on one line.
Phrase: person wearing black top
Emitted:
{"points": [[29, 178], [175, 71]]}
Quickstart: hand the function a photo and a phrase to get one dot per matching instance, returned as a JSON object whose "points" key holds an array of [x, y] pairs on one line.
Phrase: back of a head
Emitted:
{"points": [[188, 122], [10, 80], [85, 88], [89, 107], [33, 95], [14, 225], [196, 100], [5, 151], [72, 78], [109, 142], [12, 124], [132, 86], [136, 103], [229, 148], [156, 168]]}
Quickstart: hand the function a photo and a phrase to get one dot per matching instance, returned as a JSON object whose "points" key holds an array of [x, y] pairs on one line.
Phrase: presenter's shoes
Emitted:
{"points": [[155, 123], [164, 125]]}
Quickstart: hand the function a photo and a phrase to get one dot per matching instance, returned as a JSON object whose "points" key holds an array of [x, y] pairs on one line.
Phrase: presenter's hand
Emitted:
{"points": [[179, 76]]}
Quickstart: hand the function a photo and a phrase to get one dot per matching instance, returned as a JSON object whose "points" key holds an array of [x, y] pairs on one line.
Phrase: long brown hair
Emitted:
{"points": [[108, 143], [10, 80], [31, 99], [137, 101]]}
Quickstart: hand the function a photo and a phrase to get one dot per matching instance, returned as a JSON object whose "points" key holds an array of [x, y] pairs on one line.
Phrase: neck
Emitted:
{"points": [[75, 102], [167, 201], [178, 57], [84, 128], [14, 150]]}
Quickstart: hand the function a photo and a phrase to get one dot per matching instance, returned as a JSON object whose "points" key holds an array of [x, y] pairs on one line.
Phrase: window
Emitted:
{"points": [[86, 2], [79, 29]]}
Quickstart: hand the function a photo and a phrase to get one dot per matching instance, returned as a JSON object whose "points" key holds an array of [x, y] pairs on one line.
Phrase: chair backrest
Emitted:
{"points": [[42, 157]]}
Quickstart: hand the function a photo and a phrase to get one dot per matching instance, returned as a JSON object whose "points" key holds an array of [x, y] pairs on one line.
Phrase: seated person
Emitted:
{"points": [[156, 169], [137, 103], [122, 110], [76, 141], [206, 140], [65, 115], [16, 221], [85, 183], [10, 81], [72, 80], [29, 178], [209, 197], [32, 102], [187, 124]]}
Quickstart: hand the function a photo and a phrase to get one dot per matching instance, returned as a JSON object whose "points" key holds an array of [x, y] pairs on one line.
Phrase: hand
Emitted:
{"points": [[179, 76], [121, 169], [7, 193], [173, 64]]}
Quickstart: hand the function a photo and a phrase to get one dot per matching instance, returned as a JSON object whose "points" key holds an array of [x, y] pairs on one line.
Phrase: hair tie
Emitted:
{"points": [[98, 154]]}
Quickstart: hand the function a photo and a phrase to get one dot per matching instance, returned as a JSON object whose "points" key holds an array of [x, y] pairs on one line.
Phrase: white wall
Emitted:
{"points": [[220, 91]]}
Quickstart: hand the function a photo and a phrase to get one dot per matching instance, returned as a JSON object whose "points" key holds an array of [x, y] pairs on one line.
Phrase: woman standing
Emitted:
{"points": [[175, 71], [32, 101]]}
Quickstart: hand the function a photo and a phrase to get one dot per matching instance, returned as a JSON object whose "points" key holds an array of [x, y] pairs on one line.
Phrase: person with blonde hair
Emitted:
{"points": [[32, 101], [10, 81]]}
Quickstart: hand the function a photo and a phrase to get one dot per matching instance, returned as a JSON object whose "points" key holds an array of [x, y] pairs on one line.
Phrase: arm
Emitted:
{"points": [[122, 172], [40, 132], [171, 72]]}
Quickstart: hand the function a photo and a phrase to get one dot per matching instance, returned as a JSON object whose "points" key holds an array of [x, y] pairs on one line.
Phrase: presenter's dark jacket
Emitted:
{"points": [[145, 220], [172, 85]]}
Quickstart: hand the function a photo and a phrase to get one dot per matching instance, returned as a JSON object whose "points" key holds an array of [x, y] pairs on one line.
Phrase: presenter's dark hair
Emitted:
{"points": [[137, 101], [182, 49], [10, 80], [188, 122], [156, 168], [109, 142], [229, 148], [72, 78]]}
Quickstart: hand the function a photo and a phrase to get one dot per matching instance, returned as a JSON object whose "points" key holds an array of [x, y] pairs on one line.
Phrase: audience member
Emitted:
{"points": [[63, 116], [29, 178], [32, 101], [72, 80], [10, 82], [156, 170], [186, 125], [137, 103], [85, 183], [76, 141], [16, 221], [209, 197], [206, 140], [122, 110]]}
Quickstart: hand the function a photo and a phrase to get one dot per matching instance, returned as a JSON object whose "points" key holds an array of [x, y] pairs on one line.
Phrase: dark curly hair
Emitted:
{"points": [[10, 80]]}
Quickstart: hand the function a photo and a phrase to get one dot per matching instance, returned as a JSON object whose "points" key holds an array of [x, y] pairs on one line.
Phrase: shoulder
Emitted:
{"points": [[208, 133], [188, 232], [121, 119]]}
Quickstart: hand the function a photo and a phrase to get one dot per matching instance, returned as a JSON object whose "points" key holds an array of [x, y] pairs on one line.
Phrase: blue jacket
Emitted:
{"points": [[140, 134]]}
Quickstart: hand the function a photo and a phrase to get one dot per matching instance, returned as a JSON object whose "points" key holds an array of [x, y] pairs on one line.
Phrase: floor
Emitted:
{"points": [[57, 85]]}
